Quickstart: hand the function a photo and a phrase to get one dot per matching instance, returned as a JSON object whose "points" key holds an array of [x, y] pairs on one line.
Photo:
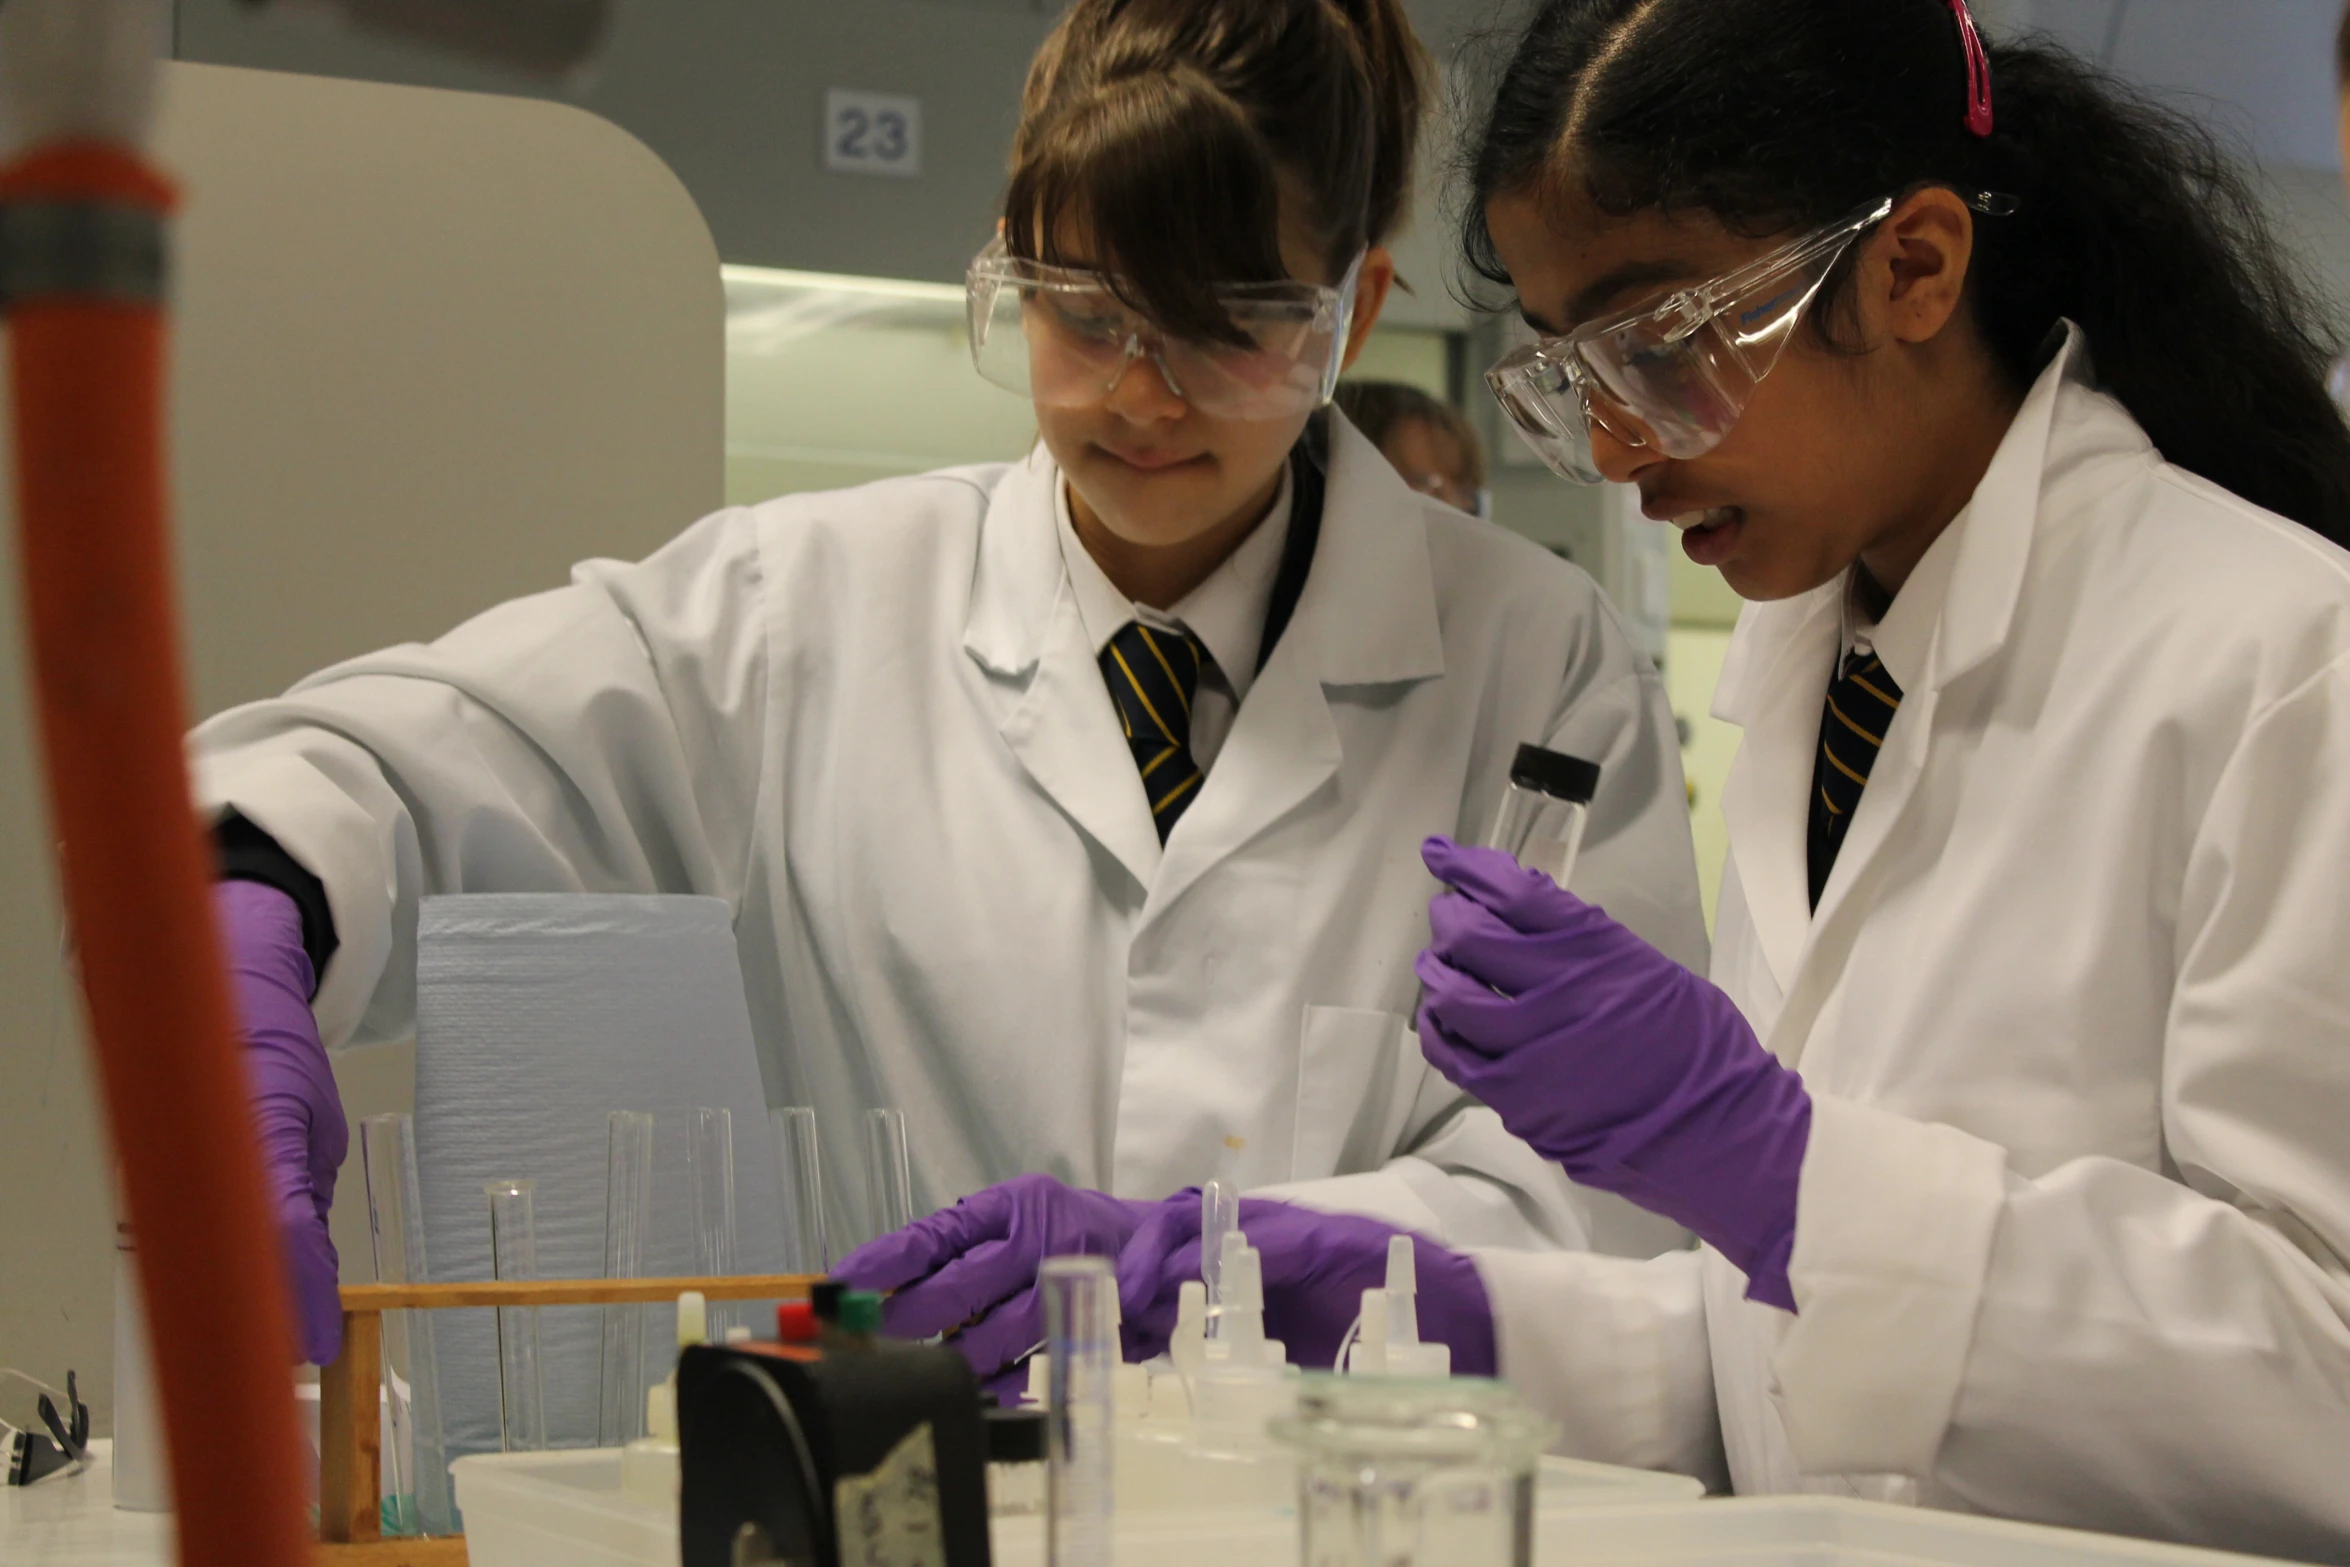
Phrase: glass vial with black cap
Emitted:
{"points": [[1542, 814]]}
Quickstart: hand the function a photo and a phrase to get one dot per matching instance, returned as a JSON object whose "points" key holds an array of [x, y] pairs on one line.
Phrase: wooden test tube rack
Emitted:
{"points": [[350, 1463]]}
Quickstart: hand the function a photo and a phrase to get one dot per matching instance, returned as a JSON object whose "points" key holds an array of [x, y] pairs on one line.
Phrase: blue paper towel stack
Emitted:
{"points": [[537, 1015]]}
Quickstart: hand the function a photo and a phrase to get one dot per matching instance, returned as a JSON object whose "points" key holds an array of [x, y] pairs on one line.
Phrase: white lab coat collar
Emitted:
{"points": [[1226, 611], [1950, 617], [1368, 617], [1972, 573]]}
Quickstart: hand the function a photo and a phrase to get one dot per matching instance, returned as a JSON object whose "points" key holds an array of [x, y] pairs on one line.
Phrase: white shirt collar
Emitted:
{"points": [[1226, 612], [1905, 637]]}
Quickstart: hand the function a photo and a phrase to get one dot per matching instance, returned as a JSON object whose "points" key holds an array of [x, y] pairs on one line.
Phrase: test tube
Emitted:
{"points": [[800, 1169], [522, 1403], [712, 1158], [1081, 1337], [1542, 814], [628, 1214], [1219, 1216], [888, 1175], [416, 1493]]}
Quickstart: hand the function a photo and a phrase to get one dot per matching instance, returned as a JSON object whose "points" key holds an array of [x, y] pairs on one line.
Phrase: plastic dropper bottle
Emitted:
{"points": [[649, 1465], [1387, 1341]]}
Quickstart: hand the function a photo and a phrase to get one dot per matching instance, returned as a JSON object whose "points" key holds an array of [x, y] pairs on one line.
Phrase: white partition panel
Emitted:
{"points": [[432, 348]]}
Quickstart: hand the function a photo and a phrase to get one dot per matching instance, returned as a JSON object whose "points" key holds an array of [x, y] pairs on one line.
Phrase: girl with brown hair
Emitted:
{"points": [[1067, 805]]}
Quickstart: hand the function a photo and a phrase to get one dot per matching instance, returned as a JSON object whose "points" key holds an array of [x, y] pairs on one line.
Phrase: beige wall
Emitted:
{"points": [[432, 348]]}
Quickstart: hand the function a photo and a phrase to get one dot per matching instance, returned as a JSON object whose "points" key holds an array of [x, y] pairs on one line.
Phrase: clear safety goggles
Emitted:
{"points": [[1062, 336], [1671, 377]]}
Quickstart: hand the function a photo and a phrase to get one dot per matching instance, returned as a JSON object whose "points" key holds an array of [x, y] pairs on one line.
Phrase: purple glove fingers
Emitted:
{"points": [[1007, 1385], [1635, 1075], [1005, 1335], [903, 1257], [971, 1271], [962, 1292], [1477, 941], [297, 1114], [1523, 899]]}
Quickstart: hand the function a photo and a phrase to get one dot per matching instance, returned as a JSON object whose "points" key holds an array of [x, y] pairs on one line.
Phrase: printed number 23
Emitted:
{"points": [[881, 137]]}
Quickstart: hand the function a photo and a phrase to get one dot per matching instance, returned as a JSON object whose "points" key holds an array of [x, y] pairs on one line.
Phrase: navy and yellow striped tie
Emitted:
{"points": [[1861, 705], [1153, 674]]}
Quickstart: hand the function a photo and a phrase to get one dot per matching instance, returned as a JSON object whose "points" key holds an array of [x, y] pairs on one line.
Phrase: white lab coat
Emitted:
{"points": [[2075, 1013], [872, 721]]}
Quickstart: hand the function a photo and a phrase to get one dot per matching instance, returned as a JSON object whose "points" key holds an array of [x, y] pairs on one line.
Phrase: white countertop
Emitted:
{"points": [[71, 1521]]}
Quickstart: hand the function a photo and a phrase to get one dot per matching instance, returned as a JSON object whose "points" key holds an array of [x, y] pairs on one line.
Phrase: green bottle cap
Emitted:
{"points": [[860, 1312]]}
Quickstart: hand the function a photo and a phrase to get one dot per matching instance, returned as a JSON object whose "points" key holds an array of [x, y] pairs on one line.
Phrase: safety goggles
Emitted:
{"points": [[1671, 377], [1062, 336], [28, 1456]]}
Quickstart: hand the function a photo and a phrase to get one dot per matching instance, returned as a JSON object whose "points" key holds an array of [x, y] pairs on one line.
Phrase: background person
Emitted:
{"points": [[1430, 442]]}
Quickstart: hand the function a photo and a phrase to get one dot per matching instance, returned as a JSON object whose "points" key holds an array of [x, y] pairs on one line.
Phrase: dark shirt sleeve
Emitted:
{"points": [[246, 853]]}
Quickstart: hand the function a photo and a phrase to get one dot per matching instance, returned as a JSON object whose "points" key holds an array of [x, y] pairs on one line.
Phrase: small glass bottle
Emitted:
{"points": [[1405, 1473], [1542, 814]]}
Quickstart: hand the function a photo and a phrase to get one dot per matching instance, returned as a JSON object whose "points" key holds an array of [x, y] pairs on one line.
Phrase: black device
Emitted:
{"points": [[848, 1452]]}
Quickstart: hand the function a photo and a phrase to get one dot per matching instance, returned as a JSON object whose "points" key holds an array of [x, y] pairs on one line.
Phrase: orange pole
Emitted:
{"points": [[88, 374]]}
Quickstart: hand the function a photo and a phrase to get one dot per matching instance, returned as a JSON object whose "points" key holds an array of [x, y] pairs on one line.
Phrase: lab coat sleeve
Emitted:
{"points": [[601, 737], [1459, 1177], [1615, 1351], [2103, 1345]]}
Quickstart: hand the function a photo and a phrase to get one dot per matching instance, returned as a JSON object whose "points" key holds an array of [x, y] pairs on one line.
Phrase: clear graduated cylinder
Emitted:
{"points": [[514, 1256], [889, 1175], [1402, 1473], [711, 1156], [628, 1215], [1081, 1338], [800, 1174], [1542, 814], [417, 1494]]}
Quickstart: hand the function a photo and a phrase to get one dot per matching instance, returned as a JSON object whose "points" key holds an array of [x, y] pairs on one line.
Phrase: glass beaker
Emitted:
{"points": [[1542, 814], [1404, 1473]]}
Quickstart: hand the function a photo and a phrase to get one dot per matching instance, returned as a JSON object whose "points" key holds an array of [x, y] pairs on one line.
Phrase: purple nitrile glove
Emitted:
{"points": [[1635, 1075], [297, 1114], [970, 1271], [1316, 1267]]}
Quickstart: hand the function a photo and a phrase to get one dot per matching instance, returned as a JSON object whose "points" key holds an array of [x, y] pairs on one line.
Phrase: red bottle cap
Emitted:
{"points": [[795, 1322]]}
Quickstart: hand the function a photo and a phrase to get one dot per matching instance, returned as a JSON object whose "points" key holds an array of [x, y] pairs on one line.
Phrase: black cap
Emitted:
{"points": [[825, 1298], [1015, 1436], [1556, 774]]}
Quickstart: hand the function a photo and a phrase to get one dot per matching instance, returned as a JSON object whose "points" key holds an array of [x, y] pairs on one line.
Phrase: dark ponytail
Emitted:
{"points": [[2131, 219], [1165, 128]]}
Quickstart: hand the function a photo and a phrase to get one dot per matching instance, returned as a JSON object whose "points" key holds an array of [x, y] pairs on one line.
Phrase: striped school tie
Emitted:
{"points": [[1153, 674], [1861, 705]]}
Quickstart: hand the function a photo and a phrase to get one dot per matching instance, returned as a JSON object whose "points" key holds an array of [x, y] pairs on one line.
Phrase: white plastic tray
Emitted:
{"points": [[565, 1510], [1792, 1531], [558, 1510], [1821, 1531]]}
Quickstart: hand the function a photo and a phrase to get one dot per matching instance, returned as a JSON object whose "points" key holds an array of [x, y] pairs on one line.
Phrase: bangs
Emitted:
{"points": [[1161, 184]]}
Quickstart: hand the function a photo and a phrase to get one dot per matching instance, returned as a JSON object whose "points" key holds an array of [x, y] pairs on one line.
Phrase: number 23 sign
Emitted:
{"points": [[872, 133]]}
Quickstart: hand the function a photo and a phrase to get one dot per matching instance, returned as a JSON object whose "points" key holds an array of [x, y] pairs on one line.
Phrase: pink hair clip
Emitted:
{"points": [[1978, 71]]}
